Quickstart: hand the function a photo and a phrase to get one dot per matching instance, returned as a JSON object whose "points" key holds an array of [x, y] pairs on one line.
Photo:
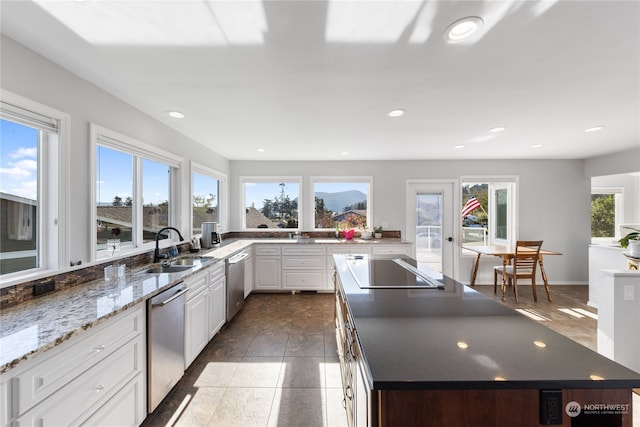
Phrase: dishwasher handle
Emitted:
{"points": [[171, 298], [237, 258]]}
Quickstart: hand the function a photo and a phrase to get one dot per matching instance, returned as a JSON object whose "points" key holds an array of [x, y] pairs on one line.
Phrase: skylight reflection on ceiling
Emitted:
{"points": [[162, 23], [372, 21]]}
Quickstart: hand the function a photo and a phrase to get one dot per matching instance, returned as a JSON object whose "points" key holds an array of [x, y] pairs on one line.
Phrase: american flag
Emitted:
{"points": [[471, 205]]}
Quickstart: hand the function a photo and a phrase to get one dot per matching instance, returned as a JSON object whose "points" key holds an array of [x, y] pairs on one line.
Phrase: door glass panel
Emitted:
{"points": [[429, 229]]}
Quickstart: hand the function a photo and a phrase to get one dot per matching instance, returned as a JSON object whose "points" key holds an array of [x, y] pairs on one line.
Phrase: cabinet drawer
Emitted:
{"points": [[216, 271], [303, 263], [348, 249], [398, 249], [311, 250], [267, 250], [52, 371], [196, 284], [126, 408], [91, 389], [304, 280]]}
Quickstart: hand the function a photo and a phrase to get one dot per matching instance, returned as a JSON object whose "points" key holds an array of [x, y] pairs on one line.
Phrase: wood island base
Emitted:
{"points": [[502, 408]]}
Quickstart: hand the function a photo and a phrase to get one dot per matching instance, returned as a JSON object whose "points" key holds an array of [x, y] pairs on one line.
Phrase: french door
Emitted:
{"points": [[430, 222]]}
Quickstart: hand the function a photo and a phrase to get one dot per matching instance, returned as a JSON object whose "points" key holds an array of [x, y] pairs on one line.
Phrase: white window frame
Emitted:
{"points": [[618, 193], [53, 238], [222, 193], [242, 208], [339, 179], [495, 183], [117, 141]]}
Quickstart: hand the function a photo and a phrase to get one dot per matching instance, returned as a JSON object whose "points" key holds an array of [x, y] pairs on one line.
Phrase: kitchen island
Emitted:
{"points": [[430, 351]]}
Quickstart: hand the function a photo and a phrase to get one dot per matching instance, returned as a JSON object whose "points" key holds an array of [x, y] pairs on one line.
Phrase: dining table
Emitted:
{"points": [[507, 253]]}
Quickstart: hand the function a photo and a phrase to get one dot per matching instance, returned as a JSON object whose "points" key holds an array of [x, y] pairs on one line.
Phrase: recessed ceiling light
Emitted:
{"points": [[535, 146], [396, 113], [261, 150], [594, 129], [457, 147], [463, 28], [463, 345], [540, 344], [176, 114], [497, 129], [345, 153]]}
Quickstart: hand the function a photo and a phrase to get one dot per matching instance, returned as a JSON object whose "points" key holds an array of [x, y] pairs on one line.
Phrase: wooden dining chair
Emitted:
{"points": [[524, 266]]}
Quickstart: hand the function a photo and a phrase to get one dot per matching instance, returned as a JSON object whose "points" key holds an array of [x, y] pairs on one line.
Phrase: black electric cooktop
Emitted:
{"points": [[391, 272]]}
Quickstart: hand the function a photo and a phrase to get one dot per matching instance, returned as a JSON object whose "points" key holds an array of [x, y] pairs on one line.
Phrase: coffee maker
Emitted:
{"points": [[210, 235]]}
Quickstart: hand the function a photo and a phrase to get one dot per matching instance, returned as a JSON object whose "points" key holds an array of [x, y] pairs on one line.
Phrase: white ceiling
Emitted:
{"points": [[309, 80]]}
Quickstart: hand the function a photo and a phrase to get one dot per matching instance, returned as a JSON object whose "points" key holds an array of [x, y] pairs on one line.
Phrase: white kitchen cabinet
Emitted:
{"points": [[248, 273], [217, 299], [392, 249], [304, 267], [196, 334], [267, 266], [101, 370]]}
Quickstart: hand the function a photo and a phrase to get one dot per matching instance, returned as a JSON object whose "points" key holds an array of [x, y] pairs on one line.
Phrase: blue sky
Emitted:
{"points": [[18, 173], [18, 160]]}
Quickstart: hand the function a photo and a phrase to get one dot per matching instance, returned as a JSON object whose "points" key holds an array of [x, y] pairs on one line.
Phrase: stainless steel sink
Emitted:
{"points": [[187, 261], [169, 269]]}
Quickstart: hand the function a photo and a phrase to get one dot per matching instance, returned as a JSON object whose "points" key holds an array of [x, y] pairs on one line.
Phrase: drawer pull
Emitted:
{"points": [[99, 388], [99, 348]]}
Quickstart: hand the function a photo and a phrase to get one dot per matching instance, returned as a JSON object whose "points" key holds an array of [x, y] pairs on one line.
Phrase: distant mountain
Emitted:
{"points": [[336, 202]]}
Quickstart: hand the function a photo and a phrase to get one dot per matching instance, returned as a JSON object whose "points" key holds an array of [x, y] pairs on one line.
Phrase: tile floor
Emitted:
{"points": [[275, 364]]}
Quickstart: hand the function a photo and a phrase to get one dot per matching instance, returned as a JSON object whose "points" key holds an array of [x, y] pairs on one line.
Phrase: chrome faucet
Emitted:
{"points": [[157, 256]]}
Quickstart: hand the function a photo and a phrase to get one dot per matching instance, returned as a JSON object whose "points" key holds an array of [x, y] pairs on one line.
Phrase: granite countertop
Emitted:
{"points": [[43, 323], [457, 338]]}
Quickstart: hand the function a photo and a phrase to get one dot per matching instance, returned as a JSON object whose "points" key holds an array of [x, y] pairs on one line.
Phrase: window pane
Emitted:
{"points": [[501, 214], [341, 203], [475, 221], [19, 206], [271, 204], [205, 200], [114, 192], [155, 199], [603, 215]]}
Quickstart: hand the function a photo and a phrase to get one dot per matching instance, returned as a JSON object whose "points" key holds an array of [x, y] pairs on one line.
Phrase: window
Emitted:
{"points": [[606, 213], [270, 203], [133, 192], [33, 202], [488, 211], [206, 187], [341, 201]]}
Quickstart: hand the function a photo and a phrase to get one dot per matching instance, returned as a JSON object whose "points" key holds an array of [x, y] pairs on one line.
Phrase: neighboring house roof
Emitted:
{"points": [[255, 219], [357, 212], [153, 217]]}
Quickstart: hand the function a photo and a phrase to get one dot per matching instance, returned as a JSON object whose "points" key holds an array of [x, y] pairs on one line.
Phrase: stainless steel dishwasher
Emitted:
{"points": [[235, 284], [165, 342]]}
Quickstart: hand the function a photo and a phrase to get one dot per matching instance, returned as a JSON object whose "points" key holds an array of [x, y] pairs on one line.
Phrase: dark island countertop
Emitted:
{"points": [[457, 338]]}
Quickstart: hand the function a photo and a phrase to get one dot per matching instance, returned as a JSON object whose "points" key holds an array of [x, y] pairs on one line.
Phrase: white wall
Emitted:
{"points": [[554, 199], [32, 76], [554, 195]]}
